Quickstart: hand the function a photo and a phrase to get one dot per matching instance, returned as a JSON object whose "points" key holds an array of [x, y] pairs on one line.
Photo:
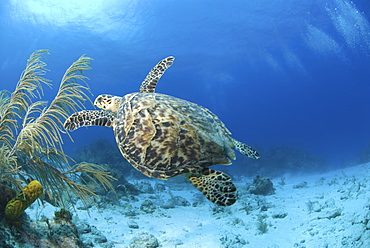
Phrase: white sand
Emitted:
{"points": [[338, 218]]}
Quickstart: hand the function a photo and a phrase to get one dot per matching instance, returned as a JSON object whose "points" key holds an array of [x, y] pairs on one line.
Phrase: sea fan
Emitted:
{"points": [[31, 141]]}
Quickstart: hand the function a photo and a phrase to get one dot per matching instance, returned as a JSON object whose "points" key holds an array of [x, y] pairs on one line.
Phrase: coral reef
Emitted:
{"points": [[322, 215]]}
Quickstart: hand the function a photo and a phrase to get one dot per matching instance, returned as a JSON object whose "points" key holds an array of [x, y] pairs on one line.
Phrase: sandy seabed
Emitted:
{"points": [[326, 210]]}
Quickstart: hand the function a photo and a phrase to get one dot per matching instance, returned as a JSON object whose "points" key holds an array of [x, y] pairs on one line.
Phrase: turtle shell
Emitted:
{"points": [[164, 136]]}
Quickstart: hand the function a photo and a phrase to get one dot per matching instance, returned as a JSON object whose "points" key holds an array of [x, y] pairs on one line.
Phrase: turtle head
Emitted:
{"points": [[107, 102]]}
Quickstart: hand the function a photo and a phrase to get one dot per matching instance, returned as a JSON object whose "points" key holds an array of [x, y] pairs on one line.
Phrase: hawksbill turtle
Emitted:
{"points": [[163, 136]]}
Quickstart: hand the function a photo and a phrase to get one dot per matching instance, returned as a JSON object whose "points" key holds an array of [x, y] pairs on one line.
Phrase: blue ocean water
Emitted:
{"points": [[293, 73]]}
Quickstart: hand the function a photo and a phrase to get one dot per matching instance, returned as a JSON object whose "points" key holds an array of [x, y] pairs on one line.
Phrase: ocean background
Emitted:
{"points": [[277, 73], [291, 78]]}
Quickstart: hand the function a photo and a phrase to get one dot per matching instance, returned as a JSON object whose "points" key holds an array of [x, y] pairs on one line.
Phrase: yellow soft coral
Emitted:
{"points": [[23, 200]]}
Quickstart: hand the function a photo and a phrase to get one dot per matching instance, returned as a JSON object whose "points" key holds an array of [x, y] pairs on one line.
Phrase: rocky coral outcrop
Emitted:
{"points": [[261, 186]]}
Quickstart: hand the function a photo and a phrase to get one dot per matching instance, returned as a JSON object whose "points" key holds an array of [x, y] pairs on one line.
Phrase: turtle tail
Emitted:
{"points": [[89, 118], [151, 80], [245, 149]]}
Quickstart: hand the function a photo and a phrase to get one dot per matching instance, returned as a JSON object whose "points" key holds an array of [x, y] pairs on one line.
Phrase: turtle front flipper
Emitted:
{"points": [[89, 118], [151, 80], [245, 149], [216, 186]]}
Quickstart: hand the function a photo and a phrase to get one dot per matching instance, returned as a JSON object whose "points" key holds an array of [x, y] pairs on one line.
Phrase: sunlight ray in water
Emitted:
{"points": [[95, 15]]}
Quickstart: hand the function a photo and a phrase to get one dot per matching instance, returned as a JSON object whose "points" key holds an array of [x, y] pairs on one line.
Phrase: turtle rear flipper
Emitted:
{"points": [[245, 149], [89, 118], [216, 186]]}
